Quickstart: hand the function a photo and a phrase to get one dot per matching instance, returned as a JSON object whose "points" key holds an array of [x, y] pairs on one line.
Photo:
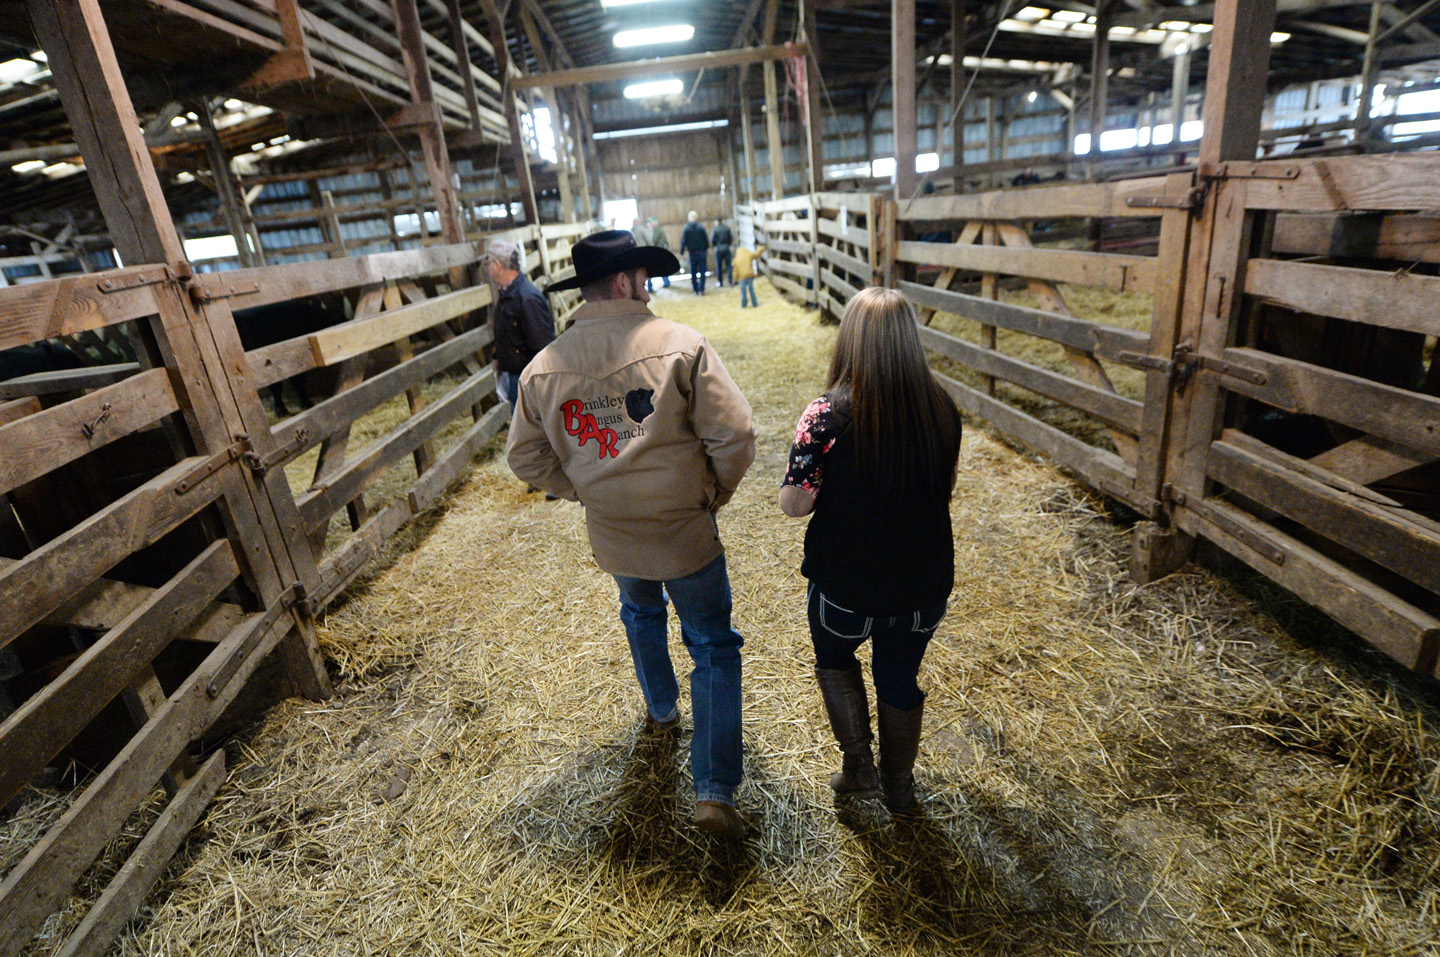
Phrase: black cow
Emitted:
{"points": [[266, 325], [44, 356]]}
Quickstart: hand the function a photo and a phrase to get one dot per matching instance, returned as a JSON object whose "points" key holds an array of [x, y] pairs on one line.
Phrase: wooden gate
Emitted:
{"points": [[160, 534]]}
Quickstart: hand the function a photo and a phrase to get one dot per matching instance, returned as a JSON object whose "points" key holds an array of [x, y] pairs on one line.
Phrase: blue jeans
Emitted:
{"points": [[507, 385], [897, 645], [697, 273], [702, 601], [747, 285], [722, 269]]}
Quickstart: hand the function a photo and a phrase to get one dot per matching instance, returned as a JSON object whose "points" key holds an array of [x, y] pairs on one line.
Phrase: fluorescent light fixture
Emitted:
{"points": [[1175, 26], [40, 56], [1031, 97], [883, 168], [1067, 16], [1082, 144], [639, 91], [13, 71], [29, 166], [1032, 14], [623, 3], [672, 128], [233, 104], [179, 121], [677, 33], [1279, 37]]}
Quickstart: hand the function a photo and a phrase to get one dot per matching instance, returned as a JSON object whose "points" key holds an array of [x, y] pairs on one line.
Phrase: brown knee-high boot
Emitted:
{"points": [[843, 692], [899, 744]]}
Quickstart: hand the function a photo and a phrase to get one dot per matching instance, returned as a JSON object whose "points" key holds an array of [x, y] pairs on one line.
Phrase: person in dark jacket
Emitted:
{"points": [[722, 239], [874, 458], [694, 241], [524, 323]]}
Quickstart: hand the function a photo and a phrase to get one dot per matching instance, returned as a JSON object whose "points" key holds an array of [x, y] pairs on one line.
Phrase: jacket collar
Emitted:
{"points": [[610, 309]]}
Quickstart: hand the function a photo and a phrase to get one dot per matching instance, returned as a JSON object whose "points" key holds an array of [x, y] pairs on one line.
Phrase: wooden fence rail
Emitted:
{"points": [[162, 531]]}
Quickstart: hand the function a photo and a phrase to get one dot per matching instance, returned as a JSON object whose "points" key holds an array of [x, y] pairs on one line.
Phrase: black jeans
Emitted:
{"points": [[897, 645]]}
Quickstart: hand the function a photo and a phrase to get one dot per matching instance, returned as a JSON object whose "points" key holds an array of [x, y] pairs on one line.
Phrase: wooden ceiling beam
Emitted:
{"points": [[638, 68]]}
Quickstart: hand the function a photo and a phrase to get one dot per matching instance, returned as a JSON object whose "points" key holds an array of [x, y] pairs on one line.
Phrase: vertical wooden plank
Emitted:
{"points": [[990, 289], [749, 141], [814, 121], [230, 205], [1100, 80], [331, 221], [902, 86], [1235, 79], [958, 38], [462, 60], [517, 141], [1363, 122], [432, 136], [582, 168]]}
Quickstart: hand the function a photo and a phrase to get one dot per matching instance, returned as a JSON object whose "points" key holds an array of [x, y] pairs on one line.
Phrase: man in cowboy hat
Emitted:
{"points": [[635, 417]]}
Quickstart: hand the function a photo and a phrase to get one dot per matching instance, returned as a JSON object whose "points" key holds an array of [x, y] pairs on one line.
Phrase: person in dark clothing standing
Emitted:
{"points": [[524, 323], [694, 241], [722, 240], [875, 458]]}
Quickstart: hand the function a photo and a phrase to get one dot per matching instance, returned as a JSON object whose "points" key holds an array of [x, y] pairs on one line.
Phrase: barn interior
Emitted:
{"points": [[291, 663]]}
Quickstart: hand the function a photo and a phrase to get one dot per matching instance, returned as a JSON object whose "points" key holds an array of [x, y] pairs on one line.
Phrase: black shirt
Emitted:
{"points": [[866, 550], [524, 324]]}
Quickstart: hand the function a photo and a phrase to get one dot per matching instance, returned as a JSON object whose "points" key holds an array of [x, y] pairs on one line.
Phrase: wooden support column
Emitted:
{"points": [[774, 146], [586, 132], [577, 142], [512, 115], [432, 135], [1179, 92], [814, 121], [231, 206], [548, 94], [902, 63], [958, 39], [749, 141], [462, 61], [1100, 80], [1363, 107]]}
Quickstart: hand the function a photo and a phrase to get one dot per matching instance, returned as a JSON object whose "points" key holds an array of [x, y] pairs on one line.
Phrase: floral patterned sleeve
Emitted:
{"points": [[814, 436]]}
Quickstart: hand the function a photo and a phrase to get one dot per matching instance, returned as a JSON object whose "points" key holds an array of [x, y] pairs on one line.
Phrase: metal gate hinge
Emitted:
{"points": [[1181, 369], [287, 599], [264, 463], [1239, 169], [145, 277], [210, 291], [210, 466], [1189, 199]]}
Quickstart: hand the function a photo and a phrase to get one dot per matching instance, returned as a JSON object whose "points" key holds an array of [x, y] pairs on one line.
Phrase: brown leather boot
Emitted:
{"points": [[899, 744], [847, 707], [719, 820]]}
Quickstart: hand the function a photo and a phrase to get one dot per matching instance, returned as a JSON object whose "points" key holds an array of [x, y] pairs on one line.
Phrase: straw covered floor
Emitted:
{"points": [[1198, 766]]}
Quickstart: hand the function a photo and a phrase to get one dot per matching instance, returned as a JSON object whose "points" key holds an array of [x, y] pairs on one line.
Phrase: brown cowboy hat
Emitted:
{"points": [[614, 250]]}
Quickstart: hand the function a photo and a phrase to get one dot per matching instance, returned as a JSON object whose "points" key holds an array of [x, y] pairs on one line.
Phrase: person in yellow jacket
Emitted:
{"points": [[744, 266]]}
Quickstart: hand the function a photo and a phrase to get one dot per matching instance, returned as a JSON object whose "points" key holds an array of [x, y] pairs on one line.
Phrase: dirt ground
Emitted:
{"points": [[1198, 766]]}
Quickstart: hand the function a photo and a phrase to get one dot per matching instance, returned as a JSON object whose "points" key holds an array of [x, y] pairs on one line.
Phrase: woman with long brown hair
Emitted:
{"points": [[874, 459]]}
